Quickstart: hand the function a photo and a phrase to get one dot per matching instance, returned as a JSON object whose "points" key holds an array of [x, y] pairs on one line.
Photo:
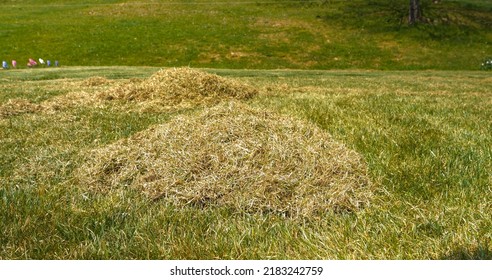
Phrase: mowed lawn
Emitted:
{"points": [[426, 138], [266, 34]]}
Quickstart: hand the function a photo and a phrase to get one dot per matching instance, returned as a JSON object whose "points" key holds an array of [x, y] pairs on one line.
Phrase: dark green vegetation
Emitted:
{"points": [[426, 137], [269, 34]]}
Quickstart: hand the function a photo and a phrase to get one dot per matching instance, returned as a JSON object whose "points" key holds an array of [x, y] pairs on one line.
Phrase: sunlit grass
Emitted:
{"points": [[424, 135]]}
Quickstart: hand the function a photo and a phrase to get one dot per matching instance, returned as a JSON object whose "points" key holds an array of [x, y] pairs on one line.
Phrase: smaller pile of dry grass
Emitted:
{"points": [[18, 106], [15, 107], [70, 100], [180, 87], [78, 93], [238, 157]]}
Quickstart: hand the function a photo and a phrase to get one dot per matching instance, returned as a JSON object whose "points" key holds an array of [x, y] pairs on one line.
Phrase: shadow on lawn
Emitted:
{"points": [[480, 253]]}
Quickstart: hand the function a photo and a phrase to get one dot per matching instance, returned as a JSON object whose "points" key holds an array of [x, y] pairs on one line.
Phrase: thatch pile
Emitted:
{"points": [[180, 87], [238, 157], [18, 106]]}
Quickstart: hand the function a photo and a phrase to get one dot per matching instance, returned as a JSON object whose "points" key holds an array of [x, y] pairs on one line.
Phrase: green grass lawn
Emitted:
{"points": [[241, 34], [425, 135]]}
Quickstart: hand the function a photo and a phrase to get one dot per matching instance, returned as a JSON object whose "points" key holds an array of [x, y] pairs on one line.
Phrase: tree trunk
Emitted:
{"points": [[415, 13]]}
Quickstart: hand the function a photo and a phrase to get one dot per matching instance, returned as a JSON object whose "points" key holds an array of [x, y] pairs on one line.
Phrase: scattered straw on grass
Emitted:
{"points": [[95, 81], [18, 106], [15, 107], [75, 93], [234, 156], [180, 87]]}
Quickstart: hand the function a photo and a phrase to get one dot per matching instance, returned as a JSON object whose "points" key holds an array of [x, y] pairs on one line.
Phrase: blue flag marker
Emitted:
{"points": [[5, 64], [48, 62]]}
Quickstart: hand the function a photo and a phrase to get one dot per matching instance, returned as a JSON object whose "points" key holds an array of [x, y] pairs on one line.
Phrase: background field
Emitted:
{"points": [[262, 34], [426, 137]]}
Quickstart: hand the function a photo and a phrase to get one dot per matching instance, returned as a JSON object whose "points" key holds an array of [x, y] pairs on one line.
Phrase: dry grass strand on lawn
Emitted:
{"points": [[238, 157]]}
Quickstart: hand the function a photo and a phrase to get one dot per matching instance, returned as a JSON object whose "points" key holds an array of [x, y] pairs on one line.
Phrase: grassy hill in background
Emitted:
{"points": [[248, 34]]}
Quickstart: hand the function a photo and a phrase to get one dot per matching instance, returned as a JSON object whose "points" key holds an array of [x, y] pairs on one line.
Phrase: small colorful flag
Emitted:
{"points": [[56, 63], [41, 61], [48, 62], [31, 63], [14, 63], [5, 65]]}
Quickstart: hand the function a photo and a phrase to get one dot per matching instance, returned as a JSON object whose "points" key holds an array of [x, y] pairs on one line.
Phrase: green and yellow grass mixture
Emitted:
{"points": [[93, 178]]}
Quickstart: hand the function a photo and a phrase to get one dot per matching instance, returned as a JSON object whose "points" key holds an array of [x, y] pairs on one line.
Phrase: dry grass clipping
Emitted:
{"points": [[180, 87], [14, 107], [238, 157]]}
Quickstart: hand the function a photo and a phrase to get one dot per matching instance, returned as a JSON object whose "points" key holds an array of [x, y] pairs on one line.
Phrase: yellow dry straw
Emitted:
{"points": [[234, 156]]}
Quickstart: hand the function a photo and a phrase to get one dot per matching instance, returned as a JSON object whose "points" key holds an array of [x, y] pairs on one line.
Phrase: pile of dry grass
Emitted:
{"points": [[180, 87], [18, 106], [235, 156]]}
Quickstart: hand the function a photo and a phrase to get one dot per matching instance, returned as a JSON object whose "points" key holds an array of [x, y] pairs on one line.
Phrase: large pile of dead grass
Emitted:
{"points": [[180, 87], [235, 156]]}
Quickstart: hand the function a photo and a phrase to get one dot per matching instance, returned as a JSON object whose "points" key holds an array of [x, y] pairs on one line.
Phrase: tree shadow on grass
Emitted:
{"points": [[480, 253]]}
